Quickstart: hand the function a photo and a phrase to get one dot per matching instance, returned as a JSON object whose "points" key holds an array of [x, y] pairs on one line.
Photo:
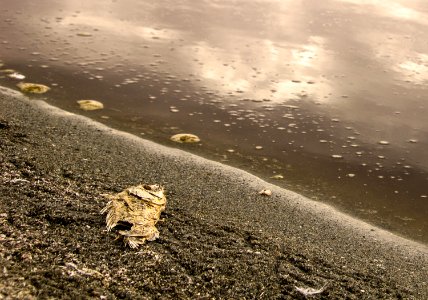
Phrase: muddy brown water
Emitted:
{"points": [[334, 92]]}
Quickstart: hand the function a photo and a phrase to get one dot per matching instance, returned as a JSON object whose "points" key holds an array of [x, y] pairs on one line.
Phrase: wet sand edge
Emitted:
{"points": [[217, 194]]}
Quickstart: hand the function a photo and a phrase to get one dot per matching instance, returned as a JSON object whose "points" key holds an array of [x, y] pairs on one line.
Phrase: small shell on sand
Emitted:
{"points": [[265, 192], [33, 88], [185, 138], [90, 104]]}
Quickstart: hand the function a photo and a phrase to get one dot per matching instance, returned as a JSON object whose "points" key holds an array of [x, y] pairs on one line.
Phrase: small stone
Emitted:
{"points": [[266, 192], [383, 142], [277, 177]]}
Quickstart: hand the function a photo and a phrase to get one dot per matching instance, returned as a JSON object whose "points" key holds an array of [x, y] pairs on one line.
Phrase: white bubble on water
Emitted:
{"points": [[173, 109]]}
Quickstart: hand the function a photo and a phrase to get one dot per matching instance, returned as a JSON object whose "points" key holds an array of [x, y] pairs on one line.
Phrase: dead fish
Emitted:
{"points": [[33, 88], [185, 138], [134, 212], [90, 104]]}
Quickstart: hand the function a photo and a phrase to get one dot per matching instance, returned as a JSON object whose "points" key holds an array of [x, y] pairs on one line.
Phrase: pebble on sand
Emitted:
{"points": [[266, 192]]}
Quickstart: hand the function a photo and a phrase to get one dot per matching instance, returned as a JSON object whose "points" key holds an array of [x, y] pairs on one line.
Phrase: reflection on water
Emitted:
{"points": [[394, 9], [329, 94]]}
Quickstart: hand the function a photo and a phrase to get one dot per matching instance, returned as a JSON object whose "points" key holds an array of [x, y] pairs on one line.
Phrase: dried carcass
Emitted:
{"points": [[134, 212]]}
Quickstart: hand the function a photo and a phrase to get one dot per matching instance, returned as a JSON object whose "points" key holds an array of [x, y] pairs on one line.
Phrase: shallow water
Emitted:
{"points": [[335, 91]]}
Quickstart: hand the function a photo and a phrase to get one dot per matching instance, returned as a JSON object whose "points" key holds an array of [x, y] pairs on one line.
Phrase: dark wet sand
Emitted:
{"points": [[218, 237]]}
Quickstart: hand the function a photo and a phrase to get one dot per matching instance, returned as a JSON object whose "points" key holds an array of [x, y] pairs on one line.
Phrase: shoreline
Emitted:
{"points": [[216, 231], [397, 213]]}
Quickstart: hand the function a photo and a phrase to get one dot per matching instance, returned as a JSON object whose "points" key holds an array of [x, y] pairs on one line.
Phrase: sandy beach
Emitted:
{"points": [[329, 95], [219, 239]]}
